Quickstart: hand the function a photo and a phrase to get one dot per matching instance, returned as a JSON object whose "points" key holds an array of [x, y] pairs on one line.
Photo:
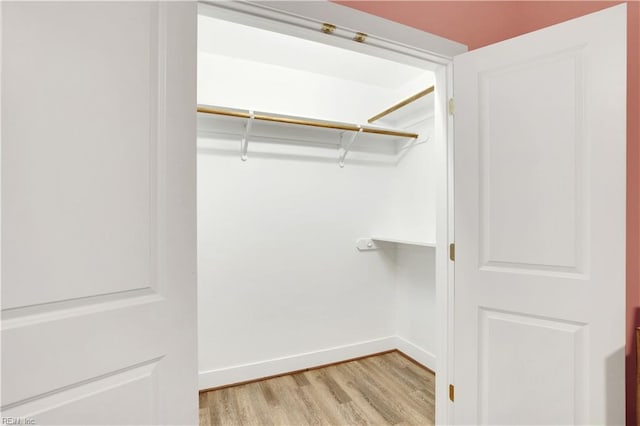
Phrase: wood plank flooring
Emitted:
{"points": [[386, 389]]}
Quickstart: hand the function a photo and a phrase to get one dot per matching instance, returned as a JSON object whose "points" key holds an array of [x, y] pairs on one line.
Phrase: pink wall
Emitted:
{"points": [[479, 23]]}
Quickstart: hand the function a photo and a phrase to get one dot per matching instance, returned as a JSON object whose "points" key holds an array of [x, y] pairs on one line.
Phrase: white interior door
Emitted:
{"points": [[540, 226], [98, 212]]}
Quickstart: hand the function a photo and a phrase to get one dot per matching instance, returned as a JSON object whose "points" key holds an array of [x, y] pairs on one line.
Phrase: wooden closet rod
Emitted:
{"points": [[304, 122], [399, 105]]}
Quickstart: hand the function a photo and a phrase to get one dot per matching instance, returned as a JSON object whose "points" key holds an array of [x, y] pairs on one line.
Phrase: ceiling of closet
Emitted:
{"points": [[254, 44]]}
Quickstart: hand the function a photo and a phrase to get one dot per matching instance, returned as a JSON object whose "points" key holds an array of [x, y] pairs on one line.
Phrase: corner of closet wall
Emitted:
{"points": [[415, 286], [281, 283]]}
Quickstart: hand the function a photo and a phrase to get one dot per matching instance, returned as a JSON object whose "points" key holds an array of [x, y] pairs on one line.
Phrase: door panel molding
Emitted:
{"points": [[41, 226], [540, 229], [99, 242]]}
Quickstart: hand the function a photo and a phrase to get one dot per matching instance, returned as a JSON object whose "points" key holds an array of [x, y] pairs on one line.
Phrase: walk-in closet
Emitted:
{"points": [[316, 203]]}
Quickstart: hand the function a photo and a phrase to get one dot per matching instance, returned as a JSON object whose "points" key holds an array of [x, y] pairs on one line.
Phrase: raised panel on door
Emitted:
{"points": [[533, 164], [540, 229], [523, 347], [81, 132], [98, 220]]}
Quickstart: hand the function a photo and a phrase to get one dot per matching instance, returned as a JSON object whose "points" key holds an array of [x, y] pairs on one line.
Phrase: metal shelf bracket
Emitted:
{"points": [[244, 144], [344, 148]]}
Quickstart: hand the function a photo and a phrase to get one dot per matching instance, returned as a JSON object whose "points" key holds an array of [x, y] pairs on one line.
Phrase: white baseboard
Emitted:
{"points": [[425, 358], [272, 367]]}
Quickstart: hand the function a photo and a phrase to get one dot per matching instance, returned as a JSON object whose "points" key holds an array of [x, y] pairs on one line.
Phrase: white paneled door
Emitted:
{"points": [[540, 226], [98, 213]]}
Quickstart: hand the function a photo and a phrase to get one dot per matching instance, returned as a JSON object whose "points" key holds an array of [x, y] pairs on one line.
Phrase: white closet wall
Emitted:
{"points": [[279, 272], [272, 88], [281, 283], [415, 210]]}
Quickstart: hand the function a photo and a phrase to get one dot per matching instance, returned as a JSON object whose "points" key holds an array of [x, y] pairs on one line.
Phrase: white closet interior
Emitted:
{"points": [[302, 262]]}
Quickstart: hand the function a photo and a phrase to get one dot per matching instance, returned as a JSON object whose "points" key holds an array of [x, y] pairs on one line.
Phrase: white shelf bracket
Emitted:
{"points": [[366, 244], [344, 148], [244, 144]]}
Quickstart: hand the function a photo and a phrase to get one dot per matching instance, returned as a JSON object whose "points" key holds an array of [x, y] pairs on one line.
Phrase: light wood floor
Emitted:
{"points": [[386, 389]]}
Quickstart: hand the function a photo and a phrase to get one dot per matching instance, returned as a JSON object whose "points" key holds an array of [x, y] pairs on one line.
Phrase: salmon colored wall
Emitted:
{"points": [[479, 23]]}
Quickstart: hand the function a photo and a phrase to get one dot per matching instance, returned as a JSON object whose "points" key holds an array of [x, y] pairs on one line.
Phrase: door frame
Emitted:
{"points": [[396, 42]]}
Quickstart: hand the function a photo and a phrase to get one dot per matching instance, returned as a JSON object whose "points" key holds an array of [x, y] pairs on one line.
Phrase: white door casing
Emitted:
{"points": [[98, 220], [401, 43], [540, 226]]}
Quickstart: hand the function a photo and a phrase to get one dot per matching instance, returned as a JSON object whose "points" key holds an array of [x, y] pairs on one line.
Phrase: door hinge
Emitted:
{"points": [[451, 106], [452, 392], [452, 252]]}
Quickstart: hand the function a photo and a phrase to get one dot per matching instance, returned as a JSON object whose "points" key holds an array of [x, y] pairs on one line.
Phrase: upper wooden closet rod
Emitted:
{"points": [[303, 122], [399, 105]]}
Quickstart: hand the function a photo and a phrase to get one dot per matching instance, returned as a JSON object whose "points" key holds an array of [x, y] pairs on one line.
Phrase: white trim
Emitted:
{"points": [[386, 39], [423, 357], [283, 365], [444, 236], [390, 35], [445, 285]]}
